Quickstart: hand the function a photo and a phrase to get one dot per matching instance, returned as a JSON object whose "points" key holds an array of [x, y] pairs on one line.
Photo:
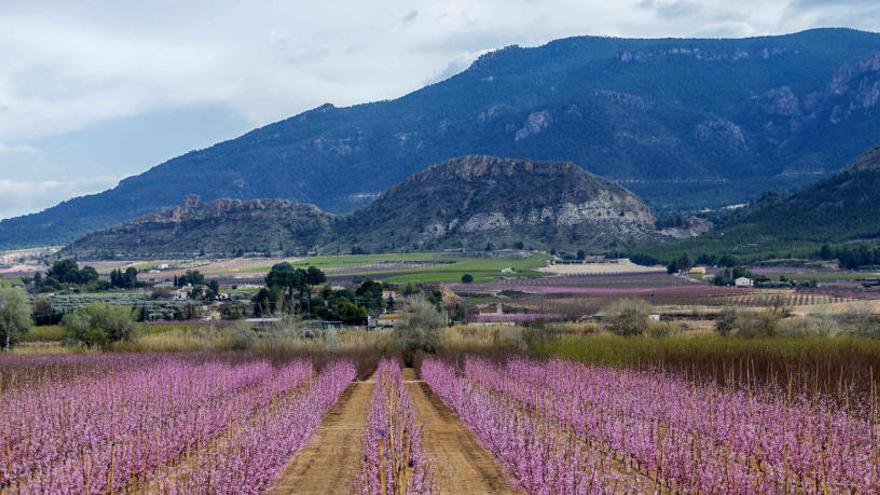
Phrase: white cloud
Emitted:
{"points": [[71, 64], [20, 197], [67, 66], [18, 148]]}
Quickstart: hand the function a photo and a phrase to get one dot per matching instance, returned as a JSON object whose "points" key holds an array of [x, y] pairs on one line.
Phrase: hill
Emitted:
{"points": [[841, 209], [223, 227], [684, 123], [462, 203], [471, 201]]}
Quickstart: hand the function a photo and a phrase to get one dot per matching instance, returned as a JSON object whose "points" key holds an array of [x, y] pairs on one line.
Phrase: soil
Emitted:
{"points": [[462, 465], [329, 462]]}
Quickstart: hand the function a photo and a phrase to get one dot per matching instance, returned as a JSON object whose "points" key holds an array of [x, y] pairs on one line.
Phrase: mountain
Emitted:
{"points": [[471, 201], [462, 203], [684, 123], [224, 227], [840, 209]]}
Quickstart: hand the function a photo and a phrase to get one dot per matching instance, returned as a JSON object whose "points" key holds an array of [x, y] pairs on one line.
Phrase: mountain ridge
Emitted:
{"points": [[684, 123], [838, 210], [464, 203]]}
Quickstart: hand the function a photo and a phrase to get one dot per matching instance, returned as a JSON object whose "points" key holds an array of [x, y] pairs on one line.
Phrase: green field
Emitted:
{"points": [[9, 282], [451, 269]]}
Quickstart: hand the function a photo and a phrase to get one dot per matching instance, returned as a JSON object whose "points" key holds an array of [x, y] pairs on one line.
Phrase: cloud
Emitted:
{"points": [[410, 16], [20, 197], [18, 148], [69, 67]]}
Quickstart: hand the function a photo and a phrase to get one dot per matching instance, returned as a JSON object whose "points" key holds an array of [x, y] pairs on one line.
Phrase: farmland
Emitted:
{"points": [[554, 383], [559, 412]]}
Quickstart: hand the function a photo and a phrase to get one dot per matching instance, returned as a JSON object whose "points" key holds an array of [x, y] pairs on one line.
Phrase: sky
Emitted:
{"points": [[94, 91]]}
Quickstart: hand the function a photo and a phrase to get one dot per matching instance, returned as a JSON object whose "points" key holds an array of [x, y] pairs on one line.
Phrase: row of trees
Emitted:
{"points": [[851, 257], [124, 279]]}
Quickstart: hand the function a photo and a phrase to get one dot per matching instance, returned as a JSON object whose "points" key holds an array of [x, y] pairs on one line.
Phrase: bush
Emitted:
{"points": [[419, 327], [813, 325], [628, 317], [241, 337], [99, 325], [467, 278], [726, 322]]}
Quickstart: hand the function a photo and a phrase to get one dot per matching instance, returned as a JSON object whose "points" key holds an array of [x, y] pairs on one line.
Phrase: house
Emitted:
{"points": [[387, 320], [697, 270], [508, 270], [744, 282]]}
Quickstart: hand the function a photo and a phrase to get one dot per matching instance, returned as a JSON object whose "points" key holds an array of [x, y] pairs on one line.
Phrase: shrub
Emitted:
{"points": [[628, 317], [241, 337], [726, 322], [419, 327], [467, 278], [98, 325]]}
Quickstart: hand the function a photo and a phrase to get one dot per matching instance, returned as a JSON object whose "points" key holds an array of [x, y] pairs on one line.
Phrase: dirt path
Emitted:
{"points": [[463, 466], [329, 462]]}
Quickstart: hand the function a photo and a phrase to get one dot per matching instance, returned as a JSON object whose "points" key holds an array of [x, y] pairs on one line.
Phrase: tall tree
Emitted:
{"points": [[15, 315]]}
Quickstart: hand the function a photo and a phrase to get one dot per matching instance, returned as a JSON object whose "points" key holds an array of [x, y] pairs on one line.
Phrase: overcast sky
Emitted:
{"points": [[93, 91]]}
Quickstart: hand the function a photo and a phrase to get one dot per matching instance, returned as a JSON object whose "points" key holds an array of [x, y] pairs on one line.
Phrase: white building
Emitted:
{"points": [[744, 282]]}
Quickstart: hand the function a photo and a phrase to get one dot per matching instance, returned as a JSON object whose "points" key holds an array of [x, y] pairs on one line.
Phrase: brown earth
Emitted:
{"points": [[329, 462], [462, 466]]}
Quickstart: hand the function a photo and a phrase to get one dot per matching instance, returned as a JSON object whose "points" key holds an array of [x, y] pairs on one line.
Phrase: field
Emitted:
{"points": [[394, 267], [515, 402], [569, 410]]}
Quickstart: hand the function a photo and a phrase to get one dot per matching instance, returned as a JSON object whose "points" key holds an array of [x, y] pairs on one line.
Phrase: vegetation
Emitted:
{"points": [[15, 316], [98, 325], [833, 219]]}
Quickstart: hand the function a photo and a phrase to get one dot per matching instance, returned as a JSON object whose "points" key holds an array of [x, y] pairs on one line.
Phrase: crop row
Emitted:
{"points": [[88, 435], [393, 461], [683, 437], [253, 452]]}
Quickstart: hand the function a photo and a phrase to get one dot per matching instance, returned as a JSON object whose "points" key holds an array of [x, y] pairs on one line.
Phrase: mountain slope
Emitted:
{"points": [[462, 203], [839, 209], [222, 227], [683, 123], [471, 201]]}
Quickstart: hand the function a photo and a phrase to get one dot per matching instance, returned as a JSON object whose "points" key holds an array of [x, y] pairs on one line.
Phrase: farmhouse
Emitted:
{"points": [[744, 282]]}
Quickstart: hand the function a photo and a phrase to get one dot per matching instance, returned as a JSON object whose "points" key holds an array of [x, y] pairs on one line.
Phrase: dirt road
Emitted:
{"points": [[462, 465], [329, 462]]}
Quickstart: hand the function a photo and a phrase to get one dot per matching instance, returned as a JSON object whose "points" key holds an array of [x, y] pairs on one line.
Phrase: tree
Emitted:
{"points": [[130, 277], [87, 275], [314, 276], [191, 277], [65, 271], [213, 290], [99, 324], [467, 278], [15, 315], [419, 327], [581, 255]]}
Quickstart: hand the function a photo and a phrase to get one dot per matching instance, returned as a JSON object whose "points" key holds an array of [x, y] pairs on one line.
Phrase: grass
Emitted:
{"points": [[9, 282], [48, 333], [482, 269]]}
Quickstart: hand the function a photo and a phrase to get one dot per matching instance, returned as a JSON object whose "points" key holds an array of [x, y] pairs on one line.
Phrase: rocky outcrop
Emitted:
{"points": [[472, 201], [225, 227]]}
